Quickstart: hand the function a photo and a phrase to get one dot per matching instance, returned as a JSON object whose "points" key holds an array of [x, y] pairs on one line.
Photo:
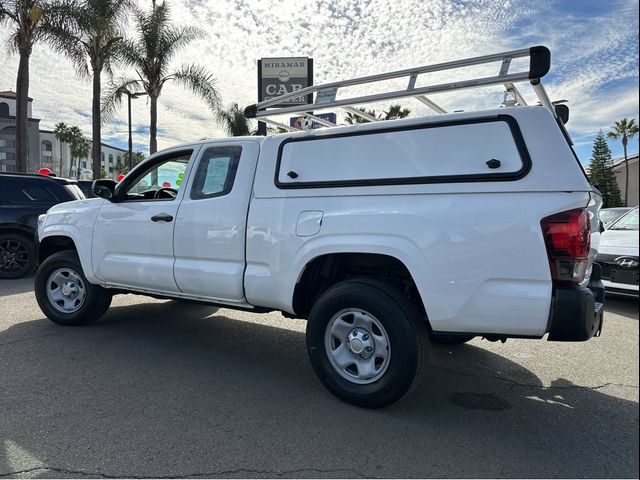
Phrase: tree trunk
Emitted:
{"points": [[61, 162], [153, 125], [626, 175], [96, 149], [22, 110]]}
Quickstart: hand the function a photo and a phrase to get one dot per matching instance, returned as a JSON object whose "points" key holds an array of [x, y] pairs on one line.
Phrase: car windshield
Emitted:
{"points": [[75, 191], [610, 215], [628, 222]]}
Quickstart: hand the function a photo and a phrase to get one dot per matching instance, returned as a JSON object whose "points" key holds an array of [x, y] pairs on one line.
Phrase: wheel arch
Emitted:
{"points": [[326, 269], [53, 244], [56, 238]]}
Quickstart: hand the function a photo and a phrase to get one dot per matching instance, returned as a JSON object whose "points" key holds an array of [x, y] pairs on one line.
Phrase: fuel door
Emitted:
{"points": [[309, 223]]}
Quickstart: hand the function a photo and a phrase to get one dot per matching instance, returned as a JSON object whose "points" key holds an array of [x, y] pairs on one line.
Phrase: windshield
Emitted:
{"points": [[75, 191], [628, 222], [610, 215]]}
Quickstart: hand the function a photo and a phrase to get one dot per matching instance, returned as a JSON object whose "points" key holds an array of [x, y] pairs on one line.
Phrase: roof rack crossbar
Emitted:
{"points": [[273, 123], [360, 113], [431, 104]]}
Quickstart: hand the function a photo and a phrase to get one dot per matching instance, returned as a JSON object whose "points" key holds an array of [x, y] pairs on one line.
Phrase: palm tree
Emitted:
{"points": [[92, 41], [30, 22], [396, 111], [80, 148], [63, 135], [624, 130], [150, 56], [234, 121]]}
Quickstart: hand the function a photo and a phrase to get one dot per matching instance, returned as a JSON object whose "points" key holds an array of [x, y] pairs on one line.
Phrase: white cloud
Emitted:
{"points": [[594, 55]]}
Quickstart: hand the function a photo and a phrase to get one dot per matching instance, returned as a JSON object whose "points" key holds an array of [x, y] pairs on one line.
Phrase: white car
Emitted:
{"points": [[618, 255]]}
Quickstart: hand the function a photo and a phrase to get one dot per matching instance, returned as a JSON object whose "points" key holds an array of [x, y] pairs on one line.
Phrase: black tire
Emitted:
{"points": [[17, 255], [450, 339], [403, 325], [96, 300]]}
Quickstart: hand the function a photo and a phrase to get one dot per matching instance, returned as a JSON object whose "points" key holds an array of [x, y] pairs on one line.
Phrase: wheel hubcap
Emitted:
{"points": [[14, 256], [357, 346], [66, 290], [360, 343]]}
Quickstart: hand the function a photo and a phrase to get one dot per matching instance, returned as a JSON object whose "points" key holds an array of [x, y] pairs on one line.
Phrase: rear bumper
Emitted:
{"points": [[577, 312]]}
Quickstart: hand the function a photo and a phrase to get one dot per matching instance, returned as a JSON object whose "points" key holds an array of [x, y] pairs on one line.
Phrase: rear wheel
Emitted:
{"points": [[366, 342], [64, 294], [17, 255]]}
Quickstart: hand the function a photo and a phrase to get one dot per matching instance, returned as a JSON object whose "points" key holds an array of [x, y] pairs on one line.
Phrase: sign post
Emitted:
{"points": [[278, 76]]}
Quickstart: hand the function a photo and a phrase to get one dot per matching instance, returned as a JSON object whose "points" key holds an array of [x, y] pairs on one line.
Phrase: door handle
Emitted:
{"points": [[162, 217]]}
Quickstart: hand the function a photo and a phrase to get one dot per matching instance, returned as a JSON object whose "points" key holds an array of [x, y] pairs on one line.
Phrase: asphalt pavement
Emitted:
{"points": [[168, 389]]}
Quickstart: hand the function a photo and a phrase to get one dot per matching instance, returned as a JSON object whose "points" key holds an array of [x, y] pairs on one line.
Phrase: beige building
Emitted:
{"points": [[44, 149], [619, 169]]}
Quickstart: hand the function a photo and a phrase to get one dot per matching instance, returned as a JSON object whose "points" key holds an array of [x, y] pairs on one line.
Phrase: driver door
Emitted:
{"points": [[133, 238]]}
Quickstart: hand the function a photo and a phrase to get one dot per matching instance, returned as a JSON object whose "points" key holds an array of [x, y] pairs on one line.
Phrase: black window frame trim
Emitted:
{"points": [[192, 193], [463, 178]]}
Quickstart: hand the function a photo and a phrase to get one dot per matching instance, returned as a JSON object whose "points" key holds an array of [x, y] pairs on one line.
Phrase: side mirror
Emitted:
{"points": [[103, 188]]}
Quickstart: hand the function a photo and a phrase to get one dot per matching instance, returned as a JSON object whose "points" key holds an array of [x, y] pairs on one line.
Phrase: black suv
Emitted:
{"points": [[23, 197]]}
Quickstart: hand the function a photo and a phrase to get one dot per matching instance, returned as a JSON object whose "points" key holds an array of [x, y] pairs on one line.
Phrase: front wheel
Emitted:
{"points": [[64, 294], [366, 342]]}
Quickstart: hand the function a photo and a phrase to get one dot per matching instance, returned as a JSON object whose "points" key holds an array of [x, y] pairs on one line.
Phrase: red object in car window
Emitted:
{"points": [[120, 178], [44, 171], [166, 185]]}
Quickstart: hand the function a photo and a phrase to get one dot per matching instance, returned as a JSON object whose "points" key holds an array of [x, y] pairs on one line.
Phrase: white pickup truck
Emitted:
{"points": [[382, 235]]}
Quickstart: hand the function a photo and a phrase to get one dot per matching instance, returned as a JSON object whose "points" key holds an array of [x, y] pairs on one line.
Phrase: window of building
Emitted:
{"points": [[118, 159], [47, 146], [110, 158], [4, 109], [8, 137]]}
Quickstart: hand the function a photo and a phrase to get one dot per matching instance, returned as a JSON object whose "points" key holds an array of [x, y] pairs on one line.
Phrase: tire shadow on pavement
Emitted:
{"points": [[168, 389]]}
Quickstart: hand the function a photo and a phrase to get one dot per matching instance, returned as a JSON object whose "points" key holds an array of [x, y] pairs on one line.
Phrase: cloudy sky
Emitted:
{"points": [[594, 46]]}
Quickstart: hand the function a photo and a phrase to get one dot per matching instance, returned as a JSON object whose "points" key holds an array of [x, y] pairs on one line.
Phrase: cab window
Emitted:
{"points": [[216, 172]]}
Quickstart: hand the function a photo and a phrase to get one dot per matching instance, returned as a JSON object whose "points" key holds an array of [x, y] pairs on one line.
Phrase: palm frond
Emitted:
{"points": [[112, 98], [234, 122], [199, 81]]}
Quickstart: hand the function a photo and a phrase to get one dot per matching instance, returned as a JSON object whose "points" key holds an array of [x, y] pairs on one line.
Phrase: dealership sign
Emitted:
{"points": [[279, 76], [300, 123]]}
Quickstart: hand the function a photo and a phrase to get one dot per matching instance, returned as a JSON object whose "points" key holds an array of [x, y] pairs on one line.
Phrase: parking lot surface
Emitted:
{"points": [[168, 389]]}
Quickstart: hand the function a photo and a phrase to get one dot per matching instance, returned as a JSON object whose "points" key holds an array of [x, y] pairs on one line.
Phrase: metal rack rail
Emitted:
{"points": [[325, 95]]}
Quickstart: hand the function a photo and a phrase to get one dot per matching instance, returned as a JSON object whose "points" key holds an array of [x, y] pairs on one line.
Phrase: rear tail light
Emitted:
{"points": [[567, 236]]}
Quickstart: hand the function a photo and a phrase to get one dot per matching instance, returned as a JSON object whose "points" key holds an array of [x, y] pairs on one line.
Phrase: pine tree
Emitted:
{"points": [[601, 173]]}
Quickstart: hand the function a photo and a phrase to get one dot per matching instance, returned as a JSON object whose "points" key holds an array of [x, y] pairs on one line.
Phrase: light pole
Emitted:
{"points": [[129, 97]]}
